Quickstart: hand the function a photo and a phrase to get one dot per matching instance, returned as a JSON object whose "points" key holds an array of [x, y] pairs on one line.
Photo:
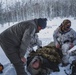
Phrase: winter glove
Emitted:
{"points": [[40, 47]]}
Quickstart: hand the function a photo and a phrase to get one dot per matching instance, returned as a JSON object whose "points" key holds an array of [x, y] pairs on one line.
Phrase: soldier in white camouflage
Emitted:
{"points": [[64, 39]]}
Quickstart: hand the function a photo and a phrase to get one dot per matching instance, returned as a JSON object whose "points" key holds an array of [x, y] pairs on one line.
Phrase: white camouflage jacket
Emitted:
{"points": [[61, 38]]}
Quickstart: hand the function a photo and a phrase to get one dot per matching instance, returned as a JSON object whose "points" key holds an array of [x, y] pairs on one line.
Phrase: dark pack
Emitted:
{"points": [[73, 67]]}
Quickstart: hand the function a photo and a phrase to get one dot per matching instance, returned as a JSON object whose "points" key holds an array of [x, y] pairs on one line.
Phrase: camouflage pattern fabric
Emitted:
{"points": [[50, 59], [48, 52]]}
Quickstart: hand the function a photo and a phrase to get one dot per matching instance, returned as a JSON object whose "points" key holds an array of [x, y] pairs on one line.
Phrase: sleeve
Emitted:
{"points": [[74, 37], [55, 37], [29, 32], [38, 42]]}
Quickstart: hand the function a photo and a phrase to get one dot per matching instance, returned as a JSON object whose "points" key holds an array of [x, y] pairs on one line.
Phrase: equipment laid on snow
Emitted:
{"points": [[1, 68]]}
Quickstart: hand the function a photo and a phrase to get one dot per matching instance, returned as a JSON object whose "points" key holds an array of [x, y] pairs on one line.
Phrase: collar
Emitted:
{"points": [[36, 22]]}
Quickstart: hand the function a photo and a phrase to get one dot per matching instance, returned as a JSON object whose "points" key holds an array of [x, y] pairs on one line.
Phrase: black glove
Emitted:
{"points": [[40, 47]]}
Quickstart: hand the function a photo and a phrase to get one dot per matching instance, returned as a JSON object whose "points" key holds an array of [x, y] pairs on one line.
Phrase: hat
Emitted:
{"points": [[65, 22], [42, 22]]}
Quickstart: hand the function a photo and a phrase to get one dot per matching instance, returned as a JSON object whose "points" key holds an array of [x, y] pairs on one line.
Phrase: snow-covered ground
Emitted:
{"points": [[46, 36]]}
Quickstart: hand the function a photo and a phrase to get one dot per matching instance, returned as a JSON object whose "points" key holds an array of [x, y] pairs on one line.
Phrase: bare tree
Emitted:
{"points": [[1, 14]]}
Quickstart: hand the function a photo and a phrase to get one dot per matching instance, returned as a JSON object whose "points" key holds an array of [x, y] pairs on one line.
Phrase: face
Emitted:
{"points": [[67, 27], [39, 28], [36, 64]]}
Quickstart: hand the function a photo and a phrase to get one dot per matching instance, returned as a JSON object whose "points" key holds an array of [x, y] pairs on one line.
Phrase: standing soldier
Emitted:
{"points": [[16, 39]]}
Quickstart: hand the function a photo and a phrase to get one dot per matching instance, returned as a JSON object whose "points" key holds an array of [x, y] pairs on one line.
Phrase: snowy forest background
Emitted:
{"points": [[12, 11], [19, 10]]}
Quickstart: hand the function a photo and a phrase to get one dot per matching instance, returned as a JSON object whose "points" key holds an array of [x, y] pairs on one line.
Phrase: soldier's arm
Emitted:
{"points": [[26, 40]]}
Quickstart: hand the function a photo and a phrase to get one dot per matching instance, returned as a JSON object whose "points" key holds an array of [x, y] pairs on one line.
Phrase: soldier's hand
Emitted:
{"points": [[23, 59], [71, 45], [58, 46]]}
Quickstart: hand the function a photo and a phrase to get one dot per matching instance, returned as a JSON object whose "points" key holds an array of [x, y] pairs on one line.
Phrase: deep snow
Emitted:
{"points": [[46, 36]]}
